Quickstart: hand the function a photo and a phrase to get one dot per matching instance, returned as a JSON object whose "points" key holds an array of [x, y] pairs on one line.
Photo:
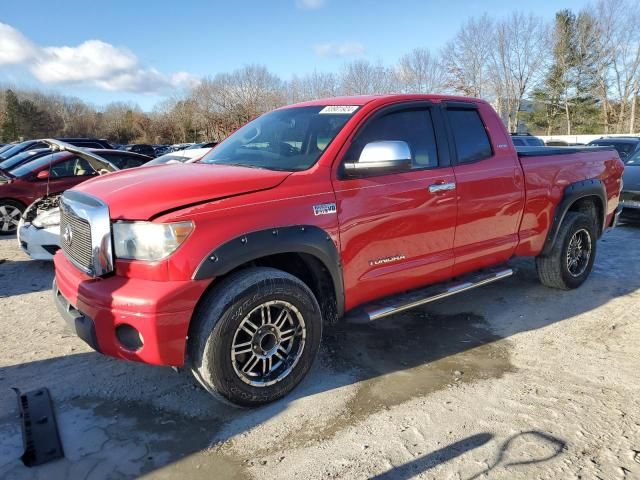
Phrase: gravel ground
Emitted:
{"points": [[509, 381]]}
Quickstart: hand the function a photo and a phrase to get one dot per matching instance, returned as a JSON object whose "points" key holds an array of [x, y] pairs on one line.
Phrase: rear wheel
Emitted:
{"points": [[571, 259], [254, 336], [10, 215]]}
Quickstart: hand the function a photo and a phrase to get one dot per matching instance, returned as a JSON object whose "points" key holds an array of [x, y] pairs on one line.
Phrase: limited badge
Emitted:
{"points": [[324, 209]]}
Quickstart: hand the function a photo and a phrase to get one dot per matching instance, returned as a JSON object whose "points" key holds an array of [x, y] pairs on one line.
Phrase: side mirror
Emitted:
{"points": [[42, 175], [382, 157]]}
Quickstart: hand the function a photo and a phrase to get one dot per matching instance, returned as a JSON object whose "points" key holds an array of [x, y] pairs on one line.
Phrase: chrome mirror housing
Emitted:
{"points": [[381, 157]]}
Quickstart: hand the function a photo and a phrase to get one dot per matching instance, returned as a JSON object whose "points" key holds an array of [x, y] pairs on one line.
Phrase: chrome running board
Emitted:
{"points": [[416, 298]]}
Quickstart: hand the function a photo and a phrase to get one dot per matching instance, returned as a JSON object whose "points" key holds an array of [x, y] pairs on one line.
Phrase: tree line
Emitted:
{"points": [[576, 73]]}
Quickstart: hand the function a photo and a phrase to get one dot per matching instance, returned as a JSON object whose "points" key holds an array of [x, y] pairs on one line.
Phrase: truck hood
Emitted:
{"points": [[145, 192]]}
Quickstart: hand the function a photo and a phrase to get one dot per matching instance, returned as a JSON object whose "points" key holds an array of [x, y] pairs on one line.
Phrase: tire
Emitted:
{"points": [[558, 269], [253, 295], [10, 215]]}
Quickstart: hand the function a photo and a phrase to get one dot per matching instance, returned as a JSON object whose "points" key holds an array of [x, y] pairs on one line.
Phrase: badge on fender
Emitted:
{"points": [[324, 209]]}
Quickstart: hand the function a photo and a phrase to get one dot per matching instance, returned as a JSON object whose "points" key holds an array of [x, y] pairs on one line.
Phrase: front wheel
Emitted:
{"points": [[571, 259], [254, 336], [10, 215]]}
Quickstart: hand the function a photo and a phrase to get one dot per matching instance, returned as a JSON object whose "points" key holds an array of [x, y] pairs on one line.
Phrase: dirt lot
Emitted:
{"points": [[510, 381]]}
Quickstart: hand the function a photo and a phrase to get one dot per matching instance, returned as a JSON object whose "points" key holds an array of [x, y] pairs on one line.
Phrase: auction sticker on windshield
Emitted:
{"points": [[344, 109]]}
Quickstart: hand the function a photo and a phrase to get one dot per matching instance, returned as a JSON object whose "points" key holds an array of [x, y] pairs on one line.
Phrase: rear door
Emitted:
{"points": [[395, 233], [490, 187]]}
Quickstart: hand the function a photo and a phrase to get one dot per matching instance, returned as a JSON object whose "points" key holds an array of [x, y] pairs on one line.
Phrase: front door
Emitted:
{"points": [[396, 232]]}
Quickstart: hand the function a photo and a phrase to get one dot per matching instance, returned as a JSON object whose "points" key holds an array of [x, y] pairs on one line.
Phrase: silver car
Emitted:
{"points": [[630, 197]]}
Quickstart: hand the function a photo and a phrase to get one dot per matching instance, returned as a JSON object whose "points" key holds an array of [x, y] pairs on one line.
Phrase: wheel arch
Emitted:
{"points": [[305, 251], [15, 200], [586, 196]]}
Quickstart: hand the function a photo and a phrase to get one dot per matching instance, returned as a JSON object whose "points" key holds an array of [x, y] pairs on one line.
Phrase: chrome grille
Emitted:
{"points": [[75, 239], [85, 233]]}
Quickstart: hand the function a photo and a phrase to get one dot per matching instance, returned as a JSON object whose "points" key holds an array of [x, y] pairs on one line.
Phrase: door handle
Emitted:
{"points": [[441, 187]]}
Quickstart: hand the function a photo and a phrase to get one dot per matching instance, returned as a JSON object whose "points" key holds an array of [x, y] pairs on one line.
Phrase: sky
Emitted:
{"points": [[143, 51]]}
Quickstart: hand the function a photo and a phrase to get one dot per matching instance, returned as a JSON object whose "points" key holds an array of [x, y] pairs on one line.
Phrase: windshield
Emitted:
{"points": [[291, 139], [13, 150], [5, 148], [633, 159], [36, 164], [21, 158], [623, 148]]}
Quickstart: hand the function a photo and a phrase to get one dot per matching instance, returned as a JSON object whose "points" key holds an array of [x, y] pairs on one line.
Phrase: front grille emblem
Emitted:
{"points": [[67, 235]]}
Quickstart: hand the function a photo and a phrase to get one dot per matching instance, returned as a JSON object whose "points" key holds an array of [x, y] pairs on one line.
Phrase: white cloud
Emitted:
{"points": [[310, 4], [344, 49], [93, 62], [14, 46]]}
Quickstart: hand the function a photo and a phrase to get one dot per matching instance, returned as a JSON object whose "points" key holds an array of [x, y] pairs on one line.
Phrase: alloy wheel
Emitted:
{"points": [[268, 343], [9, 218], [579, 252]]}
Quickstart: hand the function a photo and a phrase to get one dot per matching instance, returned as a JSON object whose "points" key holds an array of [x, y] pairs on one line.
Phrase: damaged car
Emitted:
{"points": [[39, 227]]}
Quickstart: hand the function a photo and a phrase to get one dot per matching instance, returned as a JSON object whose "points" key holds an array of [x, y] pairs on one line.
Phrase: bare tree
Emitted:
{"points": [[517, 61], [361, 77], [620, 44], [420, 72], [466, 57], [312, 86]]}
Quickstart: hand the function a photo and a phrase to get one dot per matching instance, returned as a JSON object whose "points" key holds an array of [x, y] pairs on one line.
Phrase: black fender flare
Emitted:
{"points": [[307, 239], [575, 191]]}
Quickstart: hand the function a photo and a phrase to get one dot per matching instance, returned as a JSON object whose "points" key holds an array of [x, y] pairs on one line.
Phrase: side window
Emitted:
{"points": [[412, 126], [471, 139], [73, 167], [518, 142], [117, 160]]}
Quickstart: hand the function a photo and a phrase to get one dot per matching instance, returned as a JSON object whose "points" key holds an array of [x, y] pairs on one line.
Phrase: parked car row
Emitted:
{"points": [[159, 150], [38, 226], [28, 173]]}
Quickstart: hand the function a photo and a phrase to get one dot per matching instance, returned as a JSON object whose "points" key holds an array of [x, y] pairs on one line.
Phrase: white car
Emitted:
{"points": [[39, 227], [182, 156], [40, 238]]}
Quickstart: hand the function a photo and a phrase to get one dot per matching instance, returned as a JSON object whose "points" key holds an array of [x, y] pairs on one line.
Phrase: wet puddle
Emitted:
{"points": [[121, 439], [380, 365], [411, 355]]}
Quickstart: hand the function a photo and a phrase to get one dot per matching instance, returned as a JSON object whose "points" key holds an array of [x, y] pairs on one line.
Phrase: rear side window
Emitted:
{"points": [[412, 126], [470, 136]]}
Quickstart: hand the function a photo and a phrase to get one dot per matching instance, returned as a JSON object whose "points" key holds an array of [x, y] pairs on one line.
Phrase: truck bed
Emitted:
{"points": [[547, 151]]}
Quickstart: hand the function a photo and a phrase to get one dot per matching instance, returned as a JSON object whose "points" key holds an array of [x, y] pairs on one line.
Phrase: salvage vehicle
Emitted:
{"points": [[39, 226], [22, 158], [349, 209], [625, 145], [630, 198], [181, 156], [53, 172], [36, 144], [526, 140]]}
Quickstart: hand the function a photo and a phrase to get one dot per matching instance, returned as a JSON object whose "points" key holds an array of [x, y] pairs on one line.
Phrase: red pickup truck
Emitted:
{"points": [[340, 209]]}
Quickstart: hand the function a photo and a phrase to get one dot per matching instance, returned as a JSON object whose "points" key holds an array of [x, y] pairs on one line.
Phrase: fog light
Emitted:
{"points": [[129, 337]]}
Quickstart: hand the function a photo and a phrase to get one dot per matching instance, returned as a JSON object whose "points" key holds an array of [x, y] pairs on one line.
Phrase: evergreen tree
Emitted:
{"points": [[10, 129]]}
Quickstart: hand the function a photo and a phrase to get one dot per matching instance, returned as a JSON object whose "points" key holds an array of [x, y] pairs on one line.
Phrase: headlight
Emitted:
{"points": [[47, 219], [148, 240]]}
